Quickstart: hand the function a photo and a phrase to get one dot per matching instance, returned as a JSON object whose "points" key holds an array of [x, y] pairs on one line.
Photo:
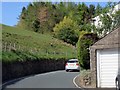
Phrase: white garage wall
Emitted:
{"points": [[107, 67]]}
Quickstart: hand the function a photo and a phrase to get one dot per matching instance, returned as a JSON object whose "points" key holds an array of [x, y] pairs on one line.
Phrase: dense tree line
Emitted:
{"points": [[67, 21], [44, 16]]}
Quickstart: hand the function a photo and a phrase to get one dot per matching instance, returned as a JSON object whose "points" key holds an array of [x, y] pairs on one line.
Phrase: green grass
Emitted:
{"points": [[42, 45]]}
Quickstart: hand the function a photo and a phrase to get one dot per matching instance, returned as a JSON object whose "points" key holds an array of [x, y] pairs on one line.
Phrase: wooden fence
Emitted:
{"points": [[8, 46]]}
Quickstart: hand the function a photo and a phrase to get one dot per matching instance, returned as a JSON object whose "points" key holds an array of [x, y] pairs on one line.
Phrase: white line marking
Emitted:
{"points": [[75, 82]]}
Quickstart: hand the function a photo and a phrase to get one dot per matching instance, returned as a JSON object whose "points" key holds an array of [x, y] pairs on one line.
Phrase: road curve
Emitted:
{"points": [[57, 79]]}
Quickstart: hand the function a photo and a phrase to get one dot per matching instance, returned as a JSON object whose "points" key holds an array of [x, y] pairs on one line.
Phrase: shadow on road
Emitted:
{"points": [[4, 85], [73, 71]]}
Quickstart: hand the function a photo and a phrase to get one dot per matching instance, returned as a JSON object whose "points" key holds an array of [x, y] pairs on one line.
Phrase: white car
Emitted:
{"points": [[117, 80], [72, 64]]}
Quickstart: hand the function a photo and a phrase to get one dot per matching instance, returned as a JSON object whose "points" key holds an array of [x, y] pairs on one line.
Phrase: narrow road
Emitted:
{"points": [[57, 79]]}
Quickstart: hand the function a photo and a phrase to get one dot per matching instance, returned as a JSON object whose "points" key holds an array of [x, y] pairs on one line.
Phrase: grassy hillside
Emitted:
{"points": [[28, 44]]}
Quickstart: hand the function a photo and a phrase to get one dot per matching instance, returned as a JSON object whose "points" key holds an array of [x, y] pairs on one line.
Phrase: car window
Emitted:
{"points": [[72, 61]]}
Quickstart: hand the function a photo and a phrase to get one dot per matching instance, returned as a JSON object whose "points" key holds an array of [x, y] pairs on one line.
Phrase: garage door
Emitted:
{"points": [[107, 67]]}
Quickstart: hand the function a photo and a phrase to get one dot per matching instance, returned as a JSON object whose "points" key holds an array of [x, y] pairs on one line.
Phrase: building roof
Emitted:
{"points": [[112, 40]]}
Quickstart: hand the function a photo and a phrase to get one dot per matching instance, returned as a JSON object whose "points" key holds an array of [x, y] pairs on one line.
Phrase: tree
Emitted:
{"points": [[67, 30], [116, 20], [108, 19], [85, 41], [91, 10], [83, 14], [22, 17], [98, 10], [109, 7], [45, 12], [36, 25], [30, 17], [106, 25]]}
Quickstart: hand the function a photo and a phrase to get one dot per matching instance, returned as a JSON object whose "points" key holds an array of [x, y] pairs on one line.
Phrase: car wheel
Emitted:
{"points": [[117, 85], [67, 70]]}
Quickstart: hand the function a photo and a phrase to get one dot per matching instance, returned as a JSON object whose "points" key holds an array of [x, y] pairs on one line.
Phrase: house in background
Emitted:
{"points": [[97, 20], [105, 60]]}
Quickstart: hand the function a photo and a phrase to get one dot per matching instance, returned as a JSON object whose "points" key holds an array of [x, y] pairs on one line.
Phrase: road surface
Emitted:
{"points": [[57, 79]]}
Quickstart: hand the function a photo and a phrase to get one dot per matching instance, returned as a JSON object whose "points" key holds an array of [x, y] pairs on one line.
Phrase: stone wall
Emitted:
{"points": [[12, 70], [93, 66], [110, 41]]}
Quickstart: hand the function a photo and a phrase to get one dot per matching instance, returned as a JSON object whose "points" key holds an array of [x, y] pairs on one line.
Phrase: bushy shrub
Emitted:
{"points": [[84, 73], [84, 42], [68, 35], [67, 30], [12, 56]]}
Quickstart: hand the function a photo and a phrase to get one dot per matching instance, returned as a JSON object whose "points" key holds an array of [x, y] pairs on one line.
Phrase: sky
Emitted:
{"points": [[10, 11]]}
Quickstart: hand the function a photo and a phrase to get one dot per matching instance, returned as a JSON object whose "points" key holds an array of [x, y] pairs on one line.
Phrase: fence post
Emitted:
{"points": [[14, 46], [19, 47], [54, 53], [10, 47], [5, 46], [34, 50], [47, 54]]}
